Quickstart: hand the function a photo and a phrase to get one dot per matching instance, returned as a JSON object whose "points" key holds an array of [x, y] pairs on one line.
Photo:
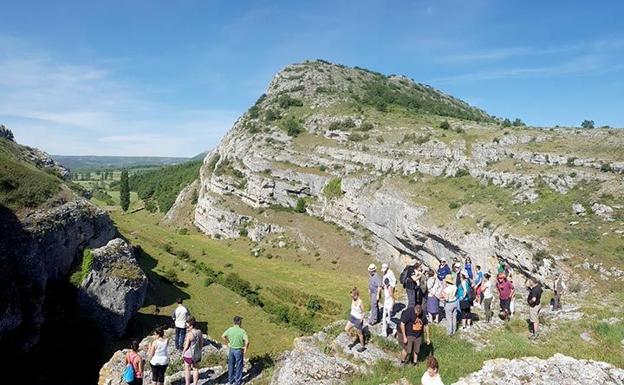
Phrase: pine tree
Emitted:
{"points": [[124, 191]]}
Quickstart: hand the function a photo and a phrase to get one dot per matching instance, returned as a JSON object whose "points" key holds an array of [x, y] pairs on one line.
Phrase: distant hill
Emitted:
{"points": [[92, 162], [200, 156]]}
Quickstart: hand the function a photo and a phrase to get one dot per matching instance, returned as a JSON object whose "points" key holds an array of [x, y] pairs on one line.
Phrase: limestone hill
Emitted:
{"points": [[405, 168]]}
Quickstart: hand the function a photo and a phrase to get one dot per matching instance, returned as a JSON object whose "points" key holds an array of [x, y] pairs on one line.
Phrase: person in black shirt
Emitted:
{"points": [[534, 301], [413, 326]]}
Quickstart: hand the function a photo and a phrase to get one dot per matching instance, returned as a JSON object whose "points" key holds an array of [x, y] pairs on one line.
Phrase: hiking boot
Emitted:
{"points": [[352, 345], [361, 349]]}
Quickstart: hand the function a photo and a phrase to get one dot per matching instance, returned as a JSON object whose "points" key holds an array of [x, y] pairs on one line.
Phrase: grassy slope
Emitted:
{"points": [[22, 184], [216, 304]]}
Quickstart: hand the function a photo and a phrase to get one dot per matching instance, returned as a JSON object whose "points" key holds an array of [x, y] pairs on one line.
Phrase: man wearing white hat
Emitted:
{"points": [[374, 290]]}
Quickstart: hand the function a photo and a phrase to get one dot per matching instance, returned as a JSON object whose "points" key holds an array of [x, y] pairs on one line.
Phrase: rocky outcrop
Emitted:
{"points": [[114, 288], [558, 369], [212, 353], [6, 133], [181, 213], [325, 358], [38, 249]]}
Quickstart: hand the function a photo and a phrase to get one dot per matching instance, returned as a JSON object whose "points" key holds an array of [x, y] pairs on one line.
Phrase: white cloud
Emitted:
{"points": [[73, 108]]}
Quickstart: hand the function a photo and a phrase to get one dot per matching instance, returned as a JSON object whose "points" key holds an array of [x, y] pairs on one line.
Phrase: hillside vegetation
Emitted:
{"points": [[159, 188], [23, 184]]}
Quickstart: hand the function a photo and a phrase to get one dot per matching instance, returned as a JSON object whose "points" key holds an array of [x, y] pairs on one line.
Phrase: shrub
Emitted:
{"points": [[355, 137], [292, 127], [380, 139], [271, 115], [453, 205], [461, 172], [286, 101], [242, 231], [366, 126], [605, 167], [301, 205], [254, 112], [182, 254], [313, 305], [518, 123], [333, 188], [506, 123], [183, 231], [539, 256], [445, 125], [168, 248], [171, 276], [342, 125], [87, 262], [589, 124]]}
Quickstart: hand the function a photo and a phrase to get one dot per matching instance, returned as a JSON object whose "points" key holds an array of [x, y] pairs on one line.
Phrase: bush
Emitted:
{"points": [[454, 205], [314, 305], [366, 126], [518, 123], [271, 115], [182, 254], [286, 101], [87, 262], [243, 288], [539, 256], [343, 125], [333, 188], [445, 125], [588, 124], [292, 127], [254, 112], [461, 172], [168, 248], [171, 276], [605, 167], [355, 137], [506, 123], [183, 231], [301, 205]]}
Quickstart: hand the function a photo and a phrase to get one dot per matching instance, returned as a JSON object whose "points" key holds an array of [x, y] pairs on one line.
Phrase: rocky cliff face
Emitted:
{"points": [[374, 155], [114, 288], [40, 248]]}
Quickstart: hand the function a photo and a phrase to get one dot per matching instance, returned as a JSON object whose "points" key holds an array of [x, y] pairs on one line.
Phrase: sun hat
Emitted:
{"points": [[372, 267], [449, 278], [384, 266]]}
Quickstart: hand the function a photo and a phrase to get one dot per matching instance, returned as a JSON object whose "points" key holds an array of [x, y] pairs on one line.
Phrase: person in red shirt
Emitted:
{"points": [[505, 292]]}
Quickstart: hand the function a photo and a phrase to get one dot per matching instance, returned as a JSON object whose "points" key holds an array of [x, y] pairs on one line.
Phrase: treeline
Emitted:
{"points": [[159, 188]]}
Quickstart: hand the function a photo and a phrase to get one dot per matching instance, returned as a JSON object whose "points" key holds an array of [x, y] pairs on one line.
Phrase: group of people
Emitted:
{"points": [[189, 340], [452, 289]]}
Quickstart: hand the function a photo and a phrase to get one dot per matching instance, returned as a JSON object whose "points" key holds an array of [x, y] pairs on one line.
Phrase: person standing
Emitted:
{"points": [[413, 326], [180, 316], [388, 273], [450, 308], [356, 320], [158, 356], [534, 301], [463, 297], [134, 358], [374, 290], [469, 268], [478, 288], [559, 287], [192, 351], [238, 343], [443, 270], [388, 306], [433, 302], [488, 295], [432, 375], [505, 293], [408, 281]]}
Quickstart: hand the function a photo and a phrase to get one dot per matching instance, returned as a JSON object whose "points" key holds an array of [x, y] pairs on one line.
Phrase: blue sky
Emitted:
{"points": [[141, 77]]}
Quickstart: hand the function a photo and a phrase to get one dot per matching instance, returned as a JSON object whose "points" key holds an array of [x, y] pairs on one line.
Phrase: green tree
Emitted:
{"points": [[445, 125], [518, 123], [301, 205], [506, 123], [587, 124], [124, 191]]}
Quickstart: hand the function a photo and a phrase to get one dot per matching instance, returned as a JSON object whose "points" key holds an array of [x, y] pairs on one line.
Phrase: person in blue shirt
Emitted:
{"points": [[468, 268], [477, 286], [443, 270]]}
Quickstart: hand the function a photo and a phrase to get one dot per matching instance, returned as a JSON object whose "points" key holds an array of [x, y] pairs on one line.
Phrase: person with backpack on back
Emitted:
{"points": [[408, 280], [133, 374], [192, 351], [465, 300], [180, 316]]}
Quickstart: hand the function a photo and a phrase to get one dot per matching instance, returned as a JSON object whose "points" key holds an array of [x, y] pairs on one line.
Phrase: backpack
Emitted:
{"points": [[128, 374]]}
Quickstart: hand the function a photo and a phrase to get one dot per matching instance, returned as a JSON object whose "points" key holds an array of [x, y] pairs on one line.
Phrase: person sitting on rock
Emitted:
{"points": [[356, 320], [432, 375], [505, 293], [413, 326]]}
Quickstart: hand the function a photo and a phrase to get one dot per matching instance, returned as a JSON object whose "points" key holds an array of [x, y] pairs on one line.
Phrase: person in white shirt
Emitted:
{"points": [[486, 289], [180, 316], [431, 375], [356, 320], [388, 273], [388, 306], [158, 356]]}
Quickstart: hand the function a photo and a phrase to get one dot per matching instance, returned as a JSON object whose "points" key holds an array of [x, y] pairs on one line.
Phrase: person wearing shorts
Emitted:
{"points": [[413, 326], [534, 301], [191, 351], [158, 355], [356, 320]]}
